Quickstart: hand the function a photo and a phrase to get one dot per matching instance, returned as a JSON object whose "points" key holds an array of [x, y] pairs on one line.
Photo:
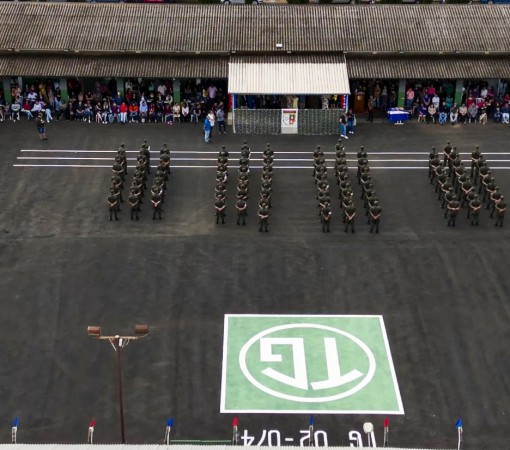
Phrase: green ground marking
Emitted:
{"points": [[308, 364]]}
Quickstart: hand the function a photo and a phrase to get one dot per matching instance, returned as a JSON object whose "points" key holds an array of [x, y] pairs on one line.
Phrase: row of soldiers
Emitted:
{"points": [[220, 190], [371, 204], [456, 188], [119, 170], [243, 186], [320, 174], [266, 189], [346, 194], [139, 183]]}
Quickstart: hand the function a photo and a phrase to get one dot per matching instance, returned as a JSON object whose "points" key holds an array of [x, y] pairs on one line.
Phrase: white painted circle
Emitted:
{"points": [[368, 377]]}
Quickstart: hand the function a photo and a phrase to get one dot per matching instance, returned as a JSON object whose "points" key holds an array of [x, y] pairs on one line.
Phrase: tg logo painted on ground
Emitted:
{"points": [[306, 375], [298, 364]]}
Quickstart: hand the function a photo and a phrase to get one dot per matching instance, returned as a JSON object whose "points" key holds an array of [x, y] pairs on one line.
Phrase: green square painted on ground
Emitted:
{"points": [[308, 364]]}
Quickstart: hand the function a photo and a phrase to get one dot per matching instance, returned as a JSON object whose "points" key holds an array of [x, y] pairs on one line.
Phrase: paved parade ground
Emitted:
{"points": [[437, 349]]}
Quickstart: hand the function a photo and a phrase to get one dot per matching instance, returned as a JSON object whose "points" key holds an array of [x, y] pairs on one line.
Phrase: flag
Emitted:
{"points": [[92, 423], [235, 422], [312, 420], [170, 422], [458, 424], [386, 422], [15, 422]]}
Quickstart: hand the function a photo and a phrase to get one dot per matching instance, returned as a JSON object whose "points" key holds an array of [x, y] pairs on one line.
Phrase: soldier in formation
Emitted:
{"points": [[266, 189], [323, 192], [220, 190], [457, 188]]}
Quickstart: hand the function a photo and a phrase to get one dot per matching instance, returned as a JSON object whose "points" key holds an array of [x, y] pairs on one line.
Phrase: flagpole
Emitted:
{"points": [[14, 432], [90, 439], [169, 425], [458, 424], [235, 433], [386, 432]]}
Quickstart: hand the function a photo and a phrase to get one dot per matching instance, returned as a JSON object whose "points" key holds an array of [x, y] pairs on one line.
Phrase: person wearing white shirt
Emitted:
{"points": [[185, 112], [32, 97], [211, 91], [212, 119], [162, 89], [37, 107], [435, 101]]}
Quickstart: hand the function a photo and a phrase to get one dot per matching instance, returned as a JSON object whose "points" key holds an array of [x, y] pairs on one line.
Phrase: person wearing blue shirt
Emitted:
{"points": [[207, 130]]}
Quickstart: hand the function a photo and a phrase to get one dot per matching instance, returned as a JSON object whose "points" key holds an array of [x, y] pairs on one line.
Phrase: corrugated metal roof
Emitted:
{"points": [[429, 67], [107, 66], [217, 28], [288, 74]]}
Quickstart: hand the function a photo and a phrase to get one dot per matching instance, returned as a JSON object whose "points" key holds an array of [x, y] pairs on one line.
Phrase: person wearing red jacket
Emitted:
{"points": [[123, 109]]}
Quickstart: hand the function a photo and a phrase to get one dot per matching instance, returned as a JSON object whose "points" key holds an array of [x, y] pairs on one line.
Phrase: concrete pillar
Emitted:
{"points": [[63, 89], [177, 90], [121, 87], [7, 89], [401, 95], [458, 91]]}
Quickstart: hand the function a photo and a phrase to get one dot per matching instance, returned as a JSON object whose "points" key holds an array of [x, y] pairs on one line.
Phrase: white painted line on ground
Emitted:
{"points": [[65, 158], [287, 160], [238, 152], [200, 167], [214, 167]]}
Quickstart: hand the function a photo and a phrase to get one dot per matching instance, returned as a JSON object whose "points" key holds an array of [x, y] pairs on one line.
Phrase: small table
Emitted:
{"points": [[398, 116]]}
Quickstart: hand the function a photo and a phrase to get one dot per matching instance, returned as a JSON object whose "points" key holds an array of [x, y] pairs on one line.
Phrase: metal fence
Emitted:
{"points": [[257, 121], [268, 121], [318, 121]]}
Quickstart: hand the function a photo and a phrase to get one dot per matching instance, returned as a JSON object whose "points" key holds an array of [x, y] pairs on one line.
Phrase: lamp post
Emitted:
{"points": [[118, 342]]}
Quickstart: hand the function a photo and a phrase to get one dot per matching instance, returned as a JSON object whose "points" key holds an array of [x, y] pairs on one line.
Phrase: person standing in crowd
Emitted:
{"points": [[351, 121], [377, 95], [212, 121], [409, 98], [220, 115], [371, 106], [342, 122], [207, 130], [41, 128]]}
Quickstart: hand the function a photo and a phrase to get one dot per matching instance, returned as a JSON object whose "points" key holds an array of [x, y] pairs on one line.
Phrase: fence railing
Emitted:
{"points": [[268, 121]]}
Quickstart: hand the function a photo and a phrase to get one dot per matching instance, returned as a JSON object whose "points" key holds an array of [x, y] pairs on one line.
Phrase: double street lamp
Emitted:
{"points": [[118, 342]]}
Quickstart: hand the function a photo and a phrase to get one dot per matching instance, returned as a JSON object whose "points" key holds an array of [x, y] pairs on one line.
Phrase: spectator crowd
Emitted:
{"points": [[136, 106]]}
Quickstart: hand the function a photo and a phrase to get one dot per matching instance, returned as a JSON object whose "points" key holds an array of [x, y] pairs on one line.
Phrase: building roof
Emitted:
{"points": [[113, 66], [288, 74], [150, 66], [432, 67], [173, 28]]}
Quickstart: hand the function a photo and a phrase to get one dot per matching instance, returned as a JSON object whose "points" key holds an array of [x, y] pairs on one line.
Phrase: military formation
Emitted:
{"points": [[473, 188], [243, 183], [139, 183], [266, 189], [346, 195]]}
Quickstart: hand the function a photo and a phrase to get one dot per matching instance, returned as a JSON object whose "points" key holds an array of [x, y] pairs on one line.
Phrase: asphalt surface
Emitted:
{"points": [[444, 292]]}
